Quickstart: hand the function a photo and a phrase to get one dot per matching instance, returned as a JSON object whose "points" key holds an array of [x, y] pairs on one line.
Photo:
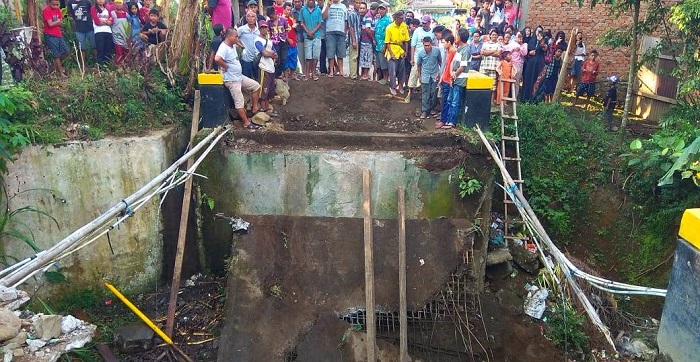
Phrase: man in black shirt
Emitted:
{"points": [[79, 10], [154, 31]]}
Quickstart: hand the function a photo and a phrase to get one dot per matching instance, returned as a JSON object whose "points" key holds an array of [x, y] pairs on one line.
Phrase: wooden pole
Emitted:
{"points": [[562, 72], [369, 265], [184, 216], [33, 18], [403, 313]]}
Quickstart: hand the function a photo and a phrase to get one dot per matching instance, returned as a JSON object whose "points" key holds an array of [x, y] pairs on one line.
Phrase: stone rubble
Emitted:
{"points": [[25, 336]]}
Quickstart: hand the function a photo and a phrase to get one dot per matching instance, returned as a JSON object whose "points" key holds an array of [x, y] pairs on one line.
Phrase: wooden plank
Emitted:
{"points": [[562, 77], [369, 265], [403, 309], [656, 97], [181, 236]]}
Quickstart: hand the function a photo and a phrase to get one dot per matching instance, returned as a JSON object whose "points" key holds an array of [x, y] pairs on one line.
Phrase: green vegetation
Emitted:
{"points": [[565, 328], [467, 184], [568, 158], [112, 102]]}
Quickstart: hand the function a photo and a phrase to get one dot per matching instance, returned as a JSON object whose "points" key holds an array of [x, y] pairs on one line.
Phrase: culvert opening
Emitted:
{"points": [[449, 327]]}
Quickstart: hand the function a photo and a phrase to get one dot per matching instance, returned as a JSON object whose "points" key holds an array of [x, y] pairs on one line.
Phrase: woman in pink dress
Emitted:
{"points": [[220, 11]]}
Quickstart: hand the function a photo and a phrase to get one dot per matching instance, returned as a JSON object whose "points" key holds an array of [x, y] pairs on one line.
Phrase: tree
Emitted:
{"points": [[182, 41]]}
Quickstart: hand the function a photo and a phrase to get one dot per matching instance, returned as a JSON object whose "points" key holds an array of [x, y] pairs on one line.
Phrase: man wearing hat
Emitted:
{"points": [[267, 67], [252, 5], [383, 21], [395, 45]]}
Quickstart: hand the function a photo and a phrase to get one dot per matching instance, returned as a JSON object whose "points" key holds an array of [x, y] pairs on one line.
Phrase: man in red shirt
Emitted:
{"points": [[589, 72], [446, 81], [52, 16]]}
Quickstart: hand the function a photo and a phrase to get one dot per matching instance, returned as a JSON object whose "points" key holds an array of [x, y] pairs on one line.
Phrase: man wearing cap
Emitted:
{"points": [[227, 59], [369, 23], [267, 67], [311, 20], [383, 21], [417, 44], [252, 6], [610, 101], [246, 36], [395, 44]]}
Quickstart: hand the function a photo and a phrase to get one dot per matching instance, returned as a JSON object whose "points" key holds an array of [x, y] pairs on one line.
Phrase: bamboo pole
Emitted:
{"points": [[48, 256], [403, 313], [556, 254], [369, 264], [184, 217], [562, 72]]}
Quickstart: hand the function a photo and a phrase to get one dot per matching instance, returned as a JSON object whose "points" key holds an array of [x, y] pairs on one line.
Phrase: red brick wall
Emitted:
{"points": [[564, 15]]}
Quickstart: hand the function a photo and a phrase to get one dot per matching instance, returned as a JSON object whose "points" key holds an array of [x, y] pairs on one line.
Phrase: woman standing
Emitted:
{"points": [[535, 64], [102, 25]]}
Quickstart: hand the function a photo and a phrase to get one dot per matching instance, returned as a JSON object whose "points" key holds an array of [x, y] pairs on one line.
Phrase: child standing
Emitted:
{"points": [[589, 72], [505, 72], [290, 65], [610, 102], [52, 16], [133, 19], [119, 31]]}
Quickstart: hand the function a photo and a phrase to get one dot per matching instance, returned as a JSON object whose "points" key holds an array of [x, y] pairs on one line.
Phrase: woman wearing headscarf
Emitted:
{"points": [[537, 50]]}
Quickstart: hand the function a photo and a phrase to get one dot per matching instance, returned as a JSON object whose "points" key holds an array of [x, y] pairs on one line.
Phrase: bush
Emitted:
{"points": [[115, 102], [565, 329], [564, 158]]}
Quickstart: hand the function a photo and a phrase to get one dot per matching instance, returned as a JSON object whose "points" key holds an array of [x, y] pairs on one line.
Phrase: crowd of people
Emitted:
{"points": [[110, 29], [304, 40]]}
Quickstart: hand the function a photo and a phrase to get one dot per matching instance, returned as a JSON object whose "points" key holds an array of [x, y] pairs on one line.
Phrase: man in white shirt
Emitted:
{"points": [[229, 64]]}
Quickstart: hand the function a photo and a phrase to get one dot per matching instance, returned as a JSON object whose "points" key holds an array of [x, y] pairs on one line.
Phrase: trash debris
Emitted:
{"points": [[237, 224], [536, 301], [421, 261], [497, 238]]}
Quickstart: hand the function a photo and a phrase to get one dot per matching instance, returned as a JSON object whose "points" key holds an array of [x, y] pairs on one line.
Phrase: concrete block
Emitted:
{"points": [[133, 337], [9, 324], [48, 326], [678, 336]]}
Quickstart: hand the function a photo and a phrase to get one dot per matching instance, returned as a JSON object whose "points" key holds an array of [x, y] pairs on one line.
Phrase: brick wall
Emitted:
{"points": [[564, 15]]}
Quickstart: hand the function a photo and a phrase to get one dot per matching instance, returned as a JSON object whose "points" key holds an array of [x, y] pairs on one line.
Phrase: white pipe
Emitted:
{"points": [[50, 254]]}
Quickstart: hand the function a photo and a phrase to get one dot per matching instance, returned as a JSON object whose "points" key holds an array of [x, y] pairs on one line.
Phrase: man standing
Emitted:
{"points": [[311, 20], [79, 10], [246, 36], [278, 35], [416, 45], [383, 22], [458, 73], [227, 59], [367, 40], [396, 41], [267, 67], [589, 72], [355, 16], [335, 17], [428, 64], [252, 6]]}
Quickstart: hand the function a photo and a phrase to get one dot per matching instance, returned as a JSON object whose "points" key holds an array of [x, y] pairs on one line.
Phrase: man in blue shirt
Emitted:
{"points": [[428, 63], [227, 59], [246, 36], [379, 34], [311, 20]]}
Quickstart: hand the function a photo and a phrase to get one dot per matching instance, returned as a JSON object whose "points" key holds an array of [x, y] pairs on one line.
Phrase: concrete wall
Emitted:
{"points": [[78, 181], [329, 184]]}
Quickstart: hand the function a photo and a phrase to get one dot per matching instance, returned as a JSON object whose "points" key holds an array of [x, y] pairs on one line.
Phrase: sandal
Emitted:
{"points": [[330, 75], [315, 77], [252, 125], [439, 125], [448, 126], [393, 91]]}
